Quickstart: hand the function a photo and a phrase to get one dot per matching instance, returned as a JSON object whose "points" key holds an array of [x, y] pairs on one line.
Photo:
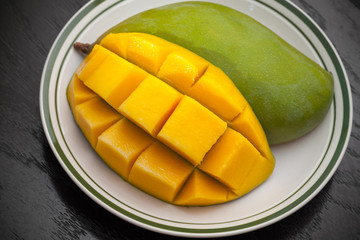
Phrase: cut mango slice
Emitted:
{"points": [[182, 69], [168, 121], [192, 130], [160, 172], [78, 93], [146, 106], [121, 144], [93, 117], [201, 189], [216, 91], [147, 51], [114, 79], [91, 62], [116, 43], [248, 124], [238, 157]]}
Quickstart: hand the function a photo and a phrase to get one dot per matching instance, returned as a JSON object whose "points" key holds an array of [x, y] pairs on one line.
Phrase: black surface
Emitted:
{"points": [[39, 201]]}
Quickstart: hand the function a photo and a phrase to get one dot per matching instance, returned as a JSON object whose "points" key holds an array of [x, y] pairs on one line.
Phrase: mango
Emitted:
{"points": [[78, 93], [121, 144], [93, 117], [289, 93], [152, 112]]}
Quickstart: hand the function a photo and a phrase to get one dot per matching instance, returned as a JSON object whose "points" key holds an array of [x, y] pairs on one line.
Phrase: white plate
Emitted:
{"points": [[303, 166]]}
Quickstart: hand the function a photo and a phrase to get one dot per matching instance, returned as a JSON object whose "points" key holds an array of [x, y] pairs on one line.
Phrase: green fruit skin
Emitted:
{"points": [[289, 93]]}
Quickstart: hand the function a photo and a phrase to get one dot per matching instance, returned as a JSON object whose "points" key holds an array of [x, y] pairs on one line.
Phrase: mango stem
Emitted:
{"points": [[83, 47]]}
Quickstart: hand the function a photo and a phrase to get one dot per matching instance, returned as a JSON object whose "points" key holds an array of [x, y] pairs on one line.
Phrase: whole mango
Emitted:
{"points": [[289, 93], [168, 121]]}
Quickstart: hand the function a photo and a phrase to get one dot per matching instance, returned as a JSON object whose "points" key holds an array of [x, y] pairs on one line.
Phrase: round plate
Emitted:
{"points": [[303, 166]]}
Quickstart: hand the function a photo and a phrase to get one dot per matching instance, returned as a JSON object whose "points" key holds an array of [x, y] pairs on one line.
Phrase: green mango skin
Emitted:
{"points": [[289, 93]]}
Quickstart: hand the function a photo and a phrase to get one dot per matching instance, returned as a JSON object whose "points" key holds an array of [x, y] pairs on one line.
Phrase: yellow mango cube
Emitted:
{"points": [[116, 43], [147, 51], [238, 157], [218, 93], [160, 172], [261, 171], [114, 79], [121, 144], [191, 130], [248, 124], [77, 92], [202, 190], [93, 117], [182, 68], [91, 62], [150, 104]]}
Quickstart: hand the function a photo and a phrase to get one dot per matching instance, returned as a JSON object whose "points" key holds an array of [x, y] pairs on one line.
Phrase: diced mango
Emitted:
{"points": [[182, 69], [191, 130], [160, 172], [150, 104], [147, 51], [91, 62], [261, 170], [77, 92], [114, 79], [116, 43], [218, 93], [248, 124], [201, 190], [238, 157], [174, 141], [93, 117], [121, 144]]}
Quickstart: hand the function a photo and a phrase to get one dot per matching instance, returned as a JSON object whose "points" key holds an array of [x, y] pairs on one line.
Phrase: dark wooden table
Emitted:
{"points": [[39, 201]]}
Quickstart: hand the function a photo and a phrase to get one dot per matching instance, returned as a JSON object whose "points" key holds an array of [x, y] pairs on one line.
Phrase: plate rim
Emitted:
{"points": [[181, 231]]}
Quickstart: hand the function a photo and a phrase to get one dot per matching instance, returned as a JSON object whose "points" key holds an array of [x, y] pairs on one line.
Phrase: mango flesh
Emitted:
{"points": [[170, 140], [289, 93]]}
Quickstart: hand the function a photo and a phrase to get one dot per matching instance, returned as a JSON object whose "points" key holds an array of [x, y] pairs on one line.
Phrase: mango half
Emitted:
{"points": [[168, 121], [289, 93]]}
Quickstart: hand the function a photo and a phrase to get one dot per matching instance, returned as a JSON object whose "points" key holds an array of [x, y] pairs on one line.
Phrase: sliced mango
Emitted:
{"points": [[192, 130], [93, 117], [116, 43], [147, 51], [168, 121], [216, 91], [146, 106], [182, 69], [250, 127], [160, 172], [78, 93], [114, 79], [201, 189], [121, 144], [91, 62], [238, 157]]}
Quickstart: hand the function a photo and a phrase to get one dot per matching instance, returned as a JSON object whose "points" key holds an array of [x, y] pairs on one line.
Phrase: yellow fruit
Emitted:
{"points": [[192, 130], [93, 117], [290, 93], [121, 144], [201, 189], [168, 121], [78, 92], [238, 157], [160, 172], [154, 111]]}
